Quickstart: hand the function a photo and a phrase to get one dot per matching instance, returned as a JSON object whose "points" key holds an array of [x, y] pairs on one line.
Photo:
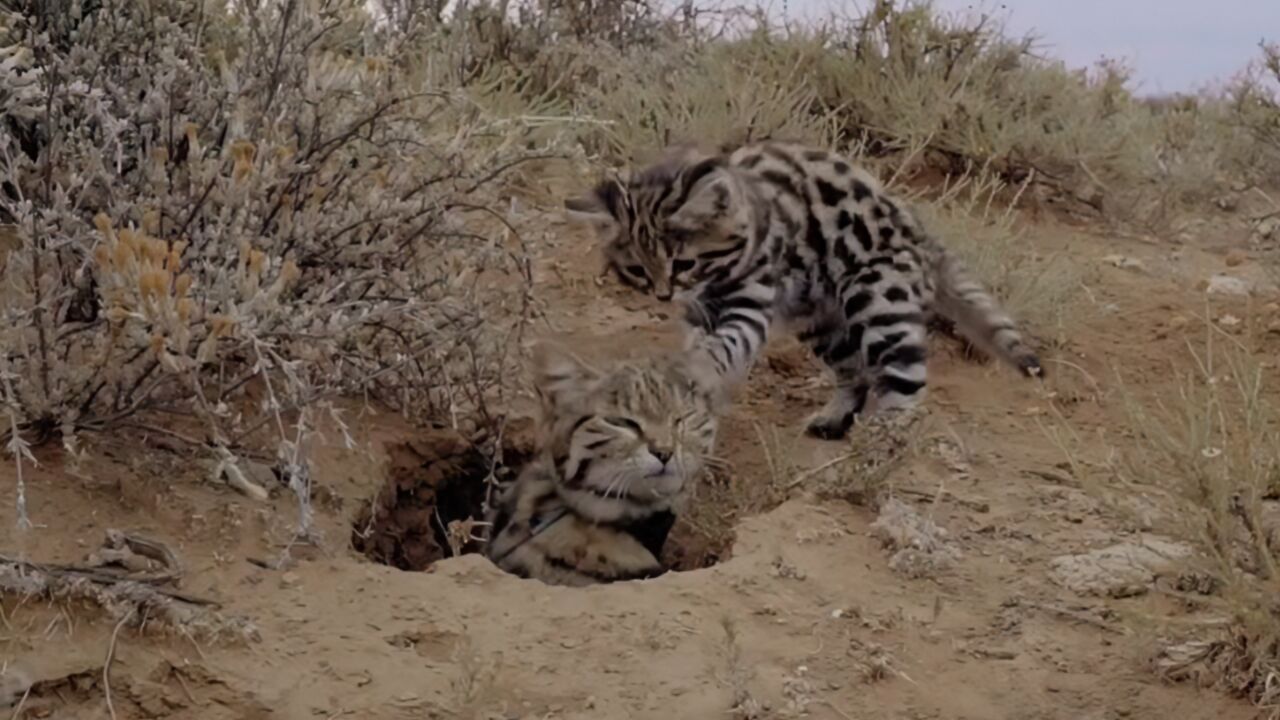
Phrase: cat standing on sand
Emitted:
{"points": [[779, 232]]}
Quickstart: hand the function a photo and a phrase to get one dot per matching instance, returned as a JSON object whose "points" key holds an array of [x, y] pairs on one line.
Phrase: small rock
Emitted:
{"points": [[1271, 308], [1236, 257], [1227, 285], [14, 685], [920, 548], [1273, 327], [289, 579], [1228, 321], [1124, 262], [1120, 570], [1227, 203], [1267, 229]]}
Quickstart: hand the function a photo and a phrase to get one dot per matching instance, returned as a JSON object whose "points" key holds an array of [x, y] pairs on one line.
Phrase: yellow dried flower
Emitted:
{"points": [[103, 222], [157, 344], [243, 150], [290, 272], [124, 255], [257, 262], [153, 284], [185, 307], [182, 285], [117, 314], [155, 251], [151, 221], [102, 256], [220, 325]]}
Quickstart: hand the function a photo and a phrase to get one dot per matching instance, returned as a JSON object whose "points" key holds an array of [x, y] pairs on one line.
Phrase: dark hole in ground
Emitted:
{"points": [[441, 478]]}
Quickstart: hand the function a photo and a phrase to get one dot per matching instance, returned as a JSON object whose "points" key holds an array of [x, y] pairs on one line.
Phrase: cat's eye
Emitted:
{"points": [[682, 266], [624, 423], [636, 270]]}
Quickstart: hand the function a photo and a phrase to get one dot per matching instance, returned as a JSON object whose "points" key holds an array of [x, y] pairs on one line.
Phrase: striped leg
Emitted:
{"points": [[896, 356], [842, 352]]}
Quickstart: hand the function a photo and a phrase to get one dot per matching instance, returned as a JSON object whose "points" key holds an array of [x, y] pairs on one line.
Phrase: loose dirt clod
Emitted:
{"points": [[1121, 570], [920, 548]]}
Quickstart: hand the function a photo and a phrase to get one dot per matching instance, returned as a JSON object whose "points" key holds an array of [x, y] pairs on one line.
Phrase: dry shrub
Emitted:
{"points": [[211, 196], [974, 215], [1213, 452], [897, 79], [1252, 105]]}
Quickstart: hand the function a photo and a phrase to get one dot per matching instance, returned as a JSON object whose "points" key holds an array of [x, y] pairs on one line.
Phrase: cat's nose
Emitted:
{"points": [[662, 289], [662, 454]]}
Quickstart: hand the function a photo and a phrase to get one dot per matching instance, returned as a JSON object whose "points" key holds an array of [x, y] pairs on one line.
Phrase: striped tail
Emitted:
{"points": [[979, 317]]}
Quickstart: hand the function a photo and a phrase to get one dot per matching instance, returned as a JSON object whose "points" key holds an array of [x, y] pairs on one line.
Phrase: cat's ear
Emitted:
{"points": [[708, 187], [599, 208], [560, 376]]}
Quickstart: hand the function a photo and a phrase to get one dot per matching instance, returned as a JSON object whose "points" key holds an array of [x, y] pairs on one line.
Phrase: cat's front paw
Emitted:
{"points": [[826, 426]]}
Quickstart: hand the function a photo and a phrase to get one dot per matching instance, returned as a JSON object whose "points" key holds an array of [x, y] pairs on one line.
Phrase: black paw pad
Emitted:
{"points": [[1031, 367], [826, 429]]}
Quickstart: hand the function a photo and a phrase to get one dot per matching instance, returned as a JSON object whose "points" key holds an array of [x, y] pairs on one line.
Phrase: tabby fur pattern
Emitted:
{"points": [[618, 453], [788, 233]]}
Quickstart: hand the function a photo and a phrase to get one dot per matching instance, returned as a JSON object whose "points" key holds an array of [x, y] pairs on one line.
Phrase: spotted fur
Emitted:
{"points": [[618, 454], [782, 232]]}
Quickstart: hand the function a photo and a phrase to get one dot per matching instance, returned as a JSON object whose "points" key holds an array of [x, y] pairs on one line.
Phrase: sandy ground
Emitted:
{"points": [[805, 618]]}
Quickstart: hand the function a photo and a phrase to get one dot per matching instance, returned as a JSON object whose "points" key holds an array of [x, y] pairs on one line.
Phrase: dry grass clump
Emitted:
{"points": [[896, 79], [1214, 452]]}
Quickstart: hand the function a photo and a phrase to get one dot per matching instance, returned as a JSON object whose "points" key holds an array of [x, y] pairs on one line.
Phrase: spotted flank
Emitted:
{"points": [[618, 454], [780, 234]]}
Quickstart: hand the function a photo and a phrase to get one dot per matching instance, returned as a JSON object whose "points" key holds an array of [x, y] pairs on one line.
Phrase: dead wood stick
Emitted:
{"points": [[106, 665]]}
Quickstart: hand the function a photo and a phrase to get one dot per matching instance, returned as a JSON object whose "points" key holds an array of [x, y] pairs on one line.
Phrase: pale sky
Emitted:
{"points": [[1174, 45]]}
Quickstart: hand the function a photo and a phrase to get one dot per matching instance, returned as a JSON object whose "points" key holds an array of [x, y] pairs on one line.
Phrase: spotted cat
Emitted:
{"points": [[787, 233], [617, 455]]}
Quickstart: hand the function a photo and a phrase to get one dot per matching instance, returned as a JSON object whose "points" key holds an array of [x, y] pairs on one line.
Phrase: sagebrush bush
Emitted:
{"points": [[209, 194]]}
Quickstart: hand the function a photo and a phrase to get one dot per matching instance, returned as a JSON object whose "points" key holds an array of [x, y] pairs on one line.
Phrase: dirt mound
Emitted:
{"points": [[432, 504]]}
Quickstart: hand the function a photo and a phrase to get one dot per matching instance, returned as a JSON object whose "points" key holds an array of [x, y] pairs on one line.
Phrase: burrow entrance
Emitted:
{"points": [[431, 505]]}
